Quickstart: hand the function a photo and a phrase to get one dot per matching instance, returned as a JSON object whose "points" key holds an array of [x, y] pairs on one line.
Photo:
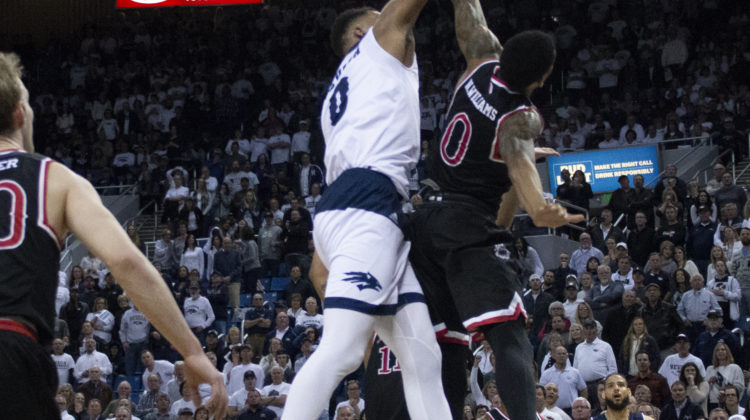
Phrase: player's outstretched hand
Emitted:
{"points": [[554, 215], [199, 370], [543, 152]]}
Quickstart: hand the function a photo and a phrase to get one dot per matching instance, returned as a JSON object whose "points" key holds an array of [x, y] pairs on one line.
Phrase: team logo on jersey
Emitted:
{"points": [[501, 252], [363, 280]]}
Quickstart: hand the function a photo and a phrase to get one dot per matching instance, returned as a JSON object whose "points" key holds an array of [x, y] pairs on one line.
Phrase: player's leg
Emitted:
{"points": [[28, 381], [513, 367], [454, 375], [340, 352], [412, 338]]}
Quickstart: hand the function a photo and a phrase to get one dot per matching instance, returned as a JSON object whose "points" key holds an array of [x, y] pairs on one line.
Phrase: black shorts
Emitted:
{"points": [[28, 379], [467, 282]]}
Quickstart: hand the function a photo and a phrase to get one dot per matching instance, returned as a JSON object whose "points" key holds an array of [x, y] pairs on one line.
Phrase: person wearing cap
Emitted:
{"points": [[594, 358], [562, 272], [216, 346], [581, 255], [701, 239], [641, 242], [536, 302], [695, 306], [236, 376], [568, 379], [238, 399], [570, 305], [715, 333], [254, 409], [604, 230], [672, 366]]}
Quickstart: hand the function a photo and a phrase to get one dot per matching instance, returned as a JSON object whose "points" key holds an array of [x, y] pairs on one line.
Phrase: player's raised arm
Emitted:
{"points": [[517, 135], [476, 41], [86, 217], [393, 29]]}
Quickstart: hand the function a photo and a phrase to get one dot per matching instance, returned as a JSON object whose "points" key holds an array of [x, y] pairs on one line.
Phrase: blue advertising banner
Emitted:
{"points": [[603, 167]]}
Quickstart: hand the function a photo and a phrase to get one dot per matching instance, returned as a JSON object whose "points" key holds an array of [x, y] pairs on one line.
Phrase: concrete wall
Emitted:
{"points": [[549, 248]]}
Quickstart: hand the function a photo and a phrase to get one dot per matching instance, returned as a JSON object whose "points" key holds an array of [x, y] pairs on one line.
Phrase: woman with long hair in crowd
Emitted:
{"points": [[729, 243], [78, 410], [723, 371], [703, 199], [210, 249], [717, 254], [134, 236], [102, 320], [682, 262], [584, 312], [575, 337], [587, 282], [679, 284], [668, 198], [592, 267], [666, 255], [224, 202], [192, 256], [66, 390], [638, 339], [728, 293], [526, 258], [554, 309], [76, 277], [695, 385], [611, 255]]}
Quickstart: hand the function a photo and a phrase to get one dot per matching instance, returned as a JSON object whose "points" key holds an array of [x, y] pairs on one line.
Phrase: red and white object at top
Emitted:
{"points": [[131, 4]]}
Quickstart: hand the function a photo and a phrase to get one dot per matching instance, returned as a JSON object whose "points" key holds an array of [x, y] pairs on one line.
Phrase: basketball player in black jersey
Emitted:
{"points": [[41, 201], [486, 158], [617, 400]]}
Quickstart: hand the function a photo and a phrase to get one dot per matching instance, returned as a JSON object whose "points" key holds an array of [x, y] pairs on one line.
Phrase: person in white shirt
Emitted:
{"points": [[610, 141], [301, 140], [568, 379], [237, 374], [192, 257], [198, 312], [242, 142], [672, 365], [134, 329], [163, 368], [594, 358], [550, 401], [238, 399], [541, 404], [571, 297], [102, 320], [311, 201], [63, 361], [354, 401], [89, 359], [62, 405], [279, 144], [311, 317], [274, 394], [185, 402], [258, 145], [632, 124]]}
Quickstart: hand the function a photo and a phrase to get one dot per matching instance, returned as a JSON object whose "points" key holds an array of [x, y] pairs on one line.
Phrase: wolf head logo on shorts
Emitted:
{"points": [[363, 280]]}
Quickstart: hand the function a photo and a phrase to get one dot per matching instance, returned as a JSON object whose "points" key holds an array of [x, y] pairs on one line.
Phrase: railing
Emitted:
{"points": [[565, 204], [703, 142], [705, 170]]}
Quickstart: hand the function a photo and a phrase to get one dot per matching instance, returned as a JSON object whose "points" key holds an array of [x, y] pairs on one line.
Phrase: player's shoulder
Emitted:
{"points": [[525, 120]]}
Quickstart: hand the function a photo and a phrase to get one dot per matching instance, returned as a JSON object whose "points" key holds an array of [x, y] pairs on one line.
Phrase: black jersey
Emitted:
{"points": [[29, 249], [384, 391], [467, 158]]}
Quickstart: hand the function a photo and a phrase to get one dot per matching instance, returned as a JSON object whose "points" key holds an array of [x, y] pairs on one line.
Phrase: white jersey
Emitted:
{"points": [[370, 117]]}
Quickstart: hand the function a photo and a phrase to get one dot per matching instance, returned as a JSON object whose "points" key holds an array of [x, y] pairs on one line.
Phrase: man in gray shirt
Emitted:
{"points": [[741, 268]]}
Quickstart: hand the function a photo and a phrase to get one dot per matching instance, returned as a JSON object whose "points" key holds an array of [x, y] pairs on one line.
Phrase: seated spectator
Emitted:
{"points": [[91, 358], [102, 321], [550, 402], [568, 379], [714, 333], [238, 399], [149, 398], [298, 284], [93, 410], [728, 217], [274, 394], [311, 317], [186, 403], [610, 252], [354, 401], [96, 387], [526, 259], [236, 377], [624, 269]]}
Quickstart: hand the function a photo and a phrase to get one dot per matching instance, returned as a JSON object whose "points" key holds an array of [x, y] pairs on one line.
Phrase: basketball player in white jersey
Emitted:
{"points": [[370, 120]]}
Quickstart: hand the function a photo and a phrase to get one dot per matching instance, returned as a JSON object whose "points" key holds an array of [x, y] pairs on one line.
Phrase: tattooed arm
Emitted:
{"points": [[517, 135], [476, 41]]}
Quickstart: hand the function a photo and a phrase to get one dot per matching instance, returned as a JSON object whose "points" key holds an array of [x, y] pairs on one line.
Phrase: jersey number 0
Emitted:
{"points": [[16, 223]]}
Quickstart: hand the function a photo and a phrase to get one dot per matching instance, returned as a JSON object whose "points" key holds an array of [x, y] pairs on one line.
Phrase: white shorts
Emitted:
{"points": [[367, 260]]}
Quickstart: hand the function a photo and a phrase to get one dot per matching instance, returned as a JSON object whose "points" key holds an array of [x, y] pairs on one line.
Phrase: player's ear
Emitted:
{"points": [[19, 117]]}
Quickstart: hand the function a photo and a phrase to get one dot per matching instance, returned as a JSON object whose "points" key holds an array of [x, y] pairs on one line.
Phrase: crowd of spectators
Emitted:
{"points": [[212, 114]]}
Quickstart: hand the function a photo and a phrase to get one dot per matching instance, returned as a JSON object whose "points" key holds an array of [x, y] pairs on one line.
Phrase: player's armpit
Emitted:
{"points": [[394, 26], [476, 41]]}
